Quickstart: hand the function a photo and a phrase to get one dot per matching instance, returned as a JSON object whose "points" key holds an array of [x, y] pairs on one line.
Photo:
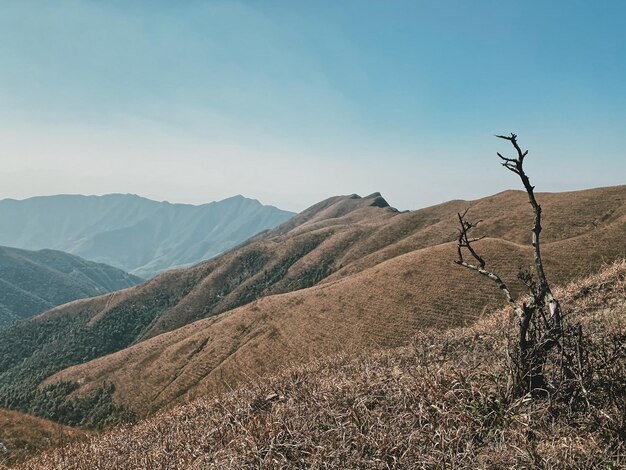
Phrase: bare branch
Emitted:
{"points": [[465, 242], [511, 160], [540, 320], [544, 292]]}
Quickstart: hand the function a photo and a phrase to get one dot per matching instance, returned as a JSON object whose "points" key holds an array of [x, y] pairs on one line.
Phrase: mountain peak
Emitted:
{"points": [[378, 200]]}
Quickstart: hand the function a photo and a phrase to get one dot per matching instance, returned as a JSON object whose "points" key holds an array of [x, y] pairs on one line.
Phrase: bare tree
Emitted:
{"points": [[540, 319]]}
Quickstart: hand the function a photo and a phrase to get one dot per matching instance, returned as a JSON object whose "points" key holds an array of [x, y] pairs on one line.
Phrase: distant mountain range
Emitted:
{"points": [[138, 235], [34, 281]]}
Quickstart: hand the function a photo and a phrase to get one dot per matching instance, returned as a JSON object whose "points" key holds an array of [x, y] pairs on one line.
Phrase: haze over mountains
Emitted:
{"points": [[138, 235], [34, 281], [348, 274]]}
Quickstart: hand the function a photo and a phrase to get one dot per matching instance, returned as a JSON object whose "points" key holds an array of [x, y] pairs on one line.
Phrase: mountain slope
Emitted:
{"points": [[440, 402], [34, 281], [135, 234], [23, 435], [348, 273], [383, 306]]}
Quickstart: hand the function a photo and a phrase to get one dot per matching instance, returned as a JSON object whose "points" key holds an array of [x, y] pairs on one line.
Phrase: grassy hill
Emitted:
{"points": [[380, 307], [34, 281], [135, 234], [347, 274], [439, 402], [23, 435]]}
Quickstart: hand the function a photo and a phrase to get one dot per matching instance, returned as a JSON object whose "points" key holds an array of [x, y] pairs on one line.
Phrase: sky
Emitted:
{"points": [[291, 102]]}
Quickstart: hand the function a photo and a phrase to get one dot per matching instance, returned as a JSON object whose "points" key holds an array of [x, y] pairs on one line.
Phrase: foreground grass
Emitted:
{"points": [[441, 402]]}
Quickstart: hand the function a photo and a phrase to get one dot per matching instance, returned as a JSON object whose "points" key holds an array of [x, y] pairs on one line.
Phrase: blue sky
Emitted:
{"points": [[291, 102]]}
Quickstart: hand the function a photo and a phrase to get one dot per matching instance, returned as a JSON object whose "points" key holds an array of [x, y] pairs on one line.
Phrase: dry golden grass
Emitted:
{"points": [[382, 306], [23, 435], [506, 215], [350, 235], [440, 402], [392, 276]]}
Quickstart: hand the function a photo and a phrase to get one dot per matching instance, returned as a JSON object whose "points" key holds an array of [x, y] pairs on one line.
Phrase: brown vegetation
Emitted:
{"points": [[381, 299], [377, 279], [344, 235], [440, 402], [22, 435]]}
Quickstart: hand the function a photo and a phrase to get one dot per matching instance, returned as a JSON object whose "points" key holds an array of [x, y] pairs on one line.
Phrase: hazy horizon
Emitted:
{"points": [[277, 206], [293, 103]]}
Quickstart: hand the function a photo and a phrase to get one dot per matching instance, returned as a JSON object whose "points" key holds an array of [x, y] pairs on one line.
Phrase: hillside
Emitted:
{"points": [[440, 402], [34, 281], [347, 274], [23, 435], [138, 235]]}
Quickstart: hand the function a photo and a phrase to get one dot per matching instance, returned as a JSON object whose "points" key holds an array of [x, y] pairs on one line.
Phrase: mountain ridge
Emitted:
{"points": [[131, 232], [342, 272]]}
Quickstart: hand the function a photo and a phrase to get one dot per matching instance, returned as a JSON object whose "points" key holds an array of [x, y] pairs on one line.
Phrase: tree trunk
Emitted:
{"points": [[531, 378]]}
